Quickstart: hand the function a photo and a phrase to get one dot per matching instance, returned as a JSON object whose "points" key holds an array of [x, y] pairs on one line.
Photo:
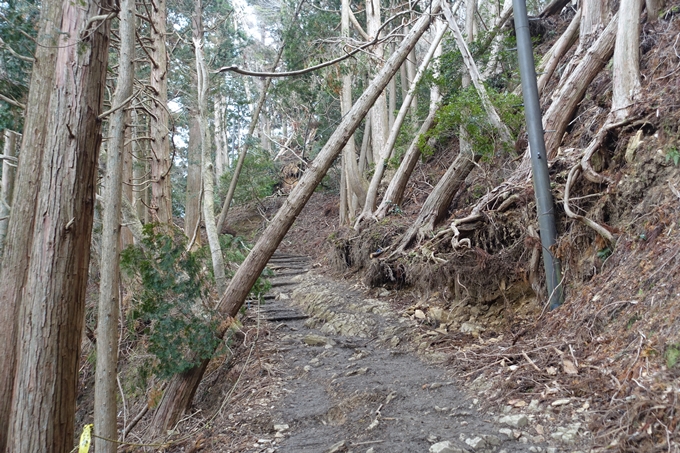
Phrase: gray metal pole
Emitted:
{"points": [[539, 160]]}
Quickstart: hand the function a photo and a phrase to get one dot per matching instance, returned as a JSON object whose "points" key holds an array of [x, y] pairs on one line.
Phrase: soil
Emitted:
{"points": [[344, 374]]}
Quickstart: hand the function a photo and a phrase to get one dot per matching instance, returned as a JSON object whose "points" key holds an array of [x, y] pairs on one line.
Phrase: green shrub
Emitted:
{"points": [[464, 109], [170, 308], [258, 178]]}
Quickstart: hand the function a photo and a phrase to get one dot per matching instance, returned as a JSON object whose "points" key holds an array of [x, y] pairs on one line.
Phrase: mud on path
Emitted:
{"points": [[350, 379]]}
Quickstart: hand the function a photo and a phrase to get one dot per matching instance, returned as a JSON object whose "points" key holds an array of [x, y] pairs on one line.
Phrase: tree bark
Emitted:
{"points": [[435, 207], [7, 190], [192, 203], [550, 60], [653, 9], [140, 171], [221, 142], [352, 181], [386, 152], [626, 73], [379, 111], [206, 160], [161, 194], [594, 17], [14, 270], [411, 74], [391, 99], [395, 190], [53, 299], [471, 66], [364, 154], [105, 390], [561, 111], [182, 387], [126, 236]]}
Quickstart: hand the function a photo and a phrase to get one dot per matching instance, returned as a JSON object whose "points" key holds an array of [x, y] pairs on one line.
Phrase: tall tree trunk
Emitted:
{"points": [[351, 177], [161, 194], [573, 88], [181, 387], [550, 60], [192, 203], [392, 99], [14, 270], [379, 111], [53, 299], [126, 236], [140, 168], [411, 64], [105, 390], [221, 146], [206, 160], [244, 150], [386, 152], [626, 73], [403, 81], [7, 190], [395, 190]]}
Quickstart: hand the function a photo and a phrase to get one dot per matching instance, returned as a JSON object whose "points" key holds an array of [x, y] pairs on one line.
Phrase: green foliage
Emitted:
{"points": [[464, 109], [673, 155], [169, 308], [258, 178], [18, 25], [604, 253], [672, 355], [234, 251]]}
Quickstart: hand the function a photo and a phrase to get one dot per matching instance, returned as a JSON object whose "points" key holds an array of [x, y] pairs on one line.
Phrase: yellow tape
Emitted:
{"points": [[85, 438]]}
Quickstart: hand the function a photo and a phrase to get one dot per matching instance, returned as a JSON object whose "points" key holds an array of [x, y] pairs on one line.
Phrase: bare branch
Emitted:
{"points": [[375, 40], [15, 53], [12, 101]]}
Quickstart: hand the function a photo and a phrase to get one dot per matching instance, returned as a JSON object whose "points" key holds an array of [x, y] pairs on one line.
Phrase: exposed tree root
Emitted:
{"points": [[602, 231]]}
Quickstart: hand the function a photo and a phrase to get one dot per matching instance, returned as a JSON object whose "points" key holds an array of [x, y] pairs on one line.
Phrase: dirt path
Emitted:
{"points": [[354, 382]]}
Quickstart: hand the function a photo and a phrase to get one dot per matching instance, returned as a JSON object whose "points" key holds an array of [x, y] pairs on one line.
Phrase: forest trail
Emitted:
{"points": [[354, 381]]}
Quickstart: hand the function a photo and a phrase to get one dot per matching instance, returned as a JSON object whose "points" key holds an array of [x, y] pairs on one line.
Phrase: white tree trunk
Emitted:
{"points": [[557, 51], [7, 190], [192, 200], [379, 111], [386, 152], [411, 64], [626, 73], [492, 115], [206, 160], [353, 189], [221, 162]]}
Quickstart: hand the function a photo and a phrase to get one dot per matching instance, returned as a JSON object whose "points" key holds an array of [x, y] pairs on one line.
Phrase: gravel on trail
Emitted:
{"points": [[354, 381]]}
